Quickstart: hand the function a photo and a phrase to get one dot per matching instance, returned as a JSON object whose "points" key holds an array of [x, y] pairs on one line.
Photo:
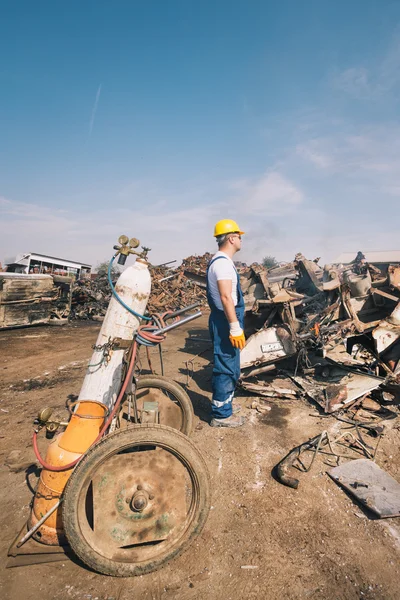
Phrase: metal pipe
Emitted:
{"points": [[169, 277], [182, 310], [281, 469], [178, 323], [164, 264], [39, 524], [253, 372]]}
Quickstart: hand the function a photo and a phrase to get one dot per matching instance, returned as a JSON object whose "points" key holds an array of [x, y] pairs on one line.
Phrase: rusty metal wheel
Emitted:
{"points": [[175, 407], [136, 500]]}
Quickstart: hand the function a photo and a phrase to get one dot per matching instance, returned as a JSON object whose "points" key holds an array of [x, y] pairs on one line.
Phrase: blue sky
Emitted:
{"points": [[156, 119]]}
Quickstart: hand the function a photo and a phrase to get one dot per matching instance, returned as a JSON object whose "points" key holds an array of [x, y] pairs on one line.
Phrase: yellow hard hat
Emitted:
{"points": [[226, 226]]}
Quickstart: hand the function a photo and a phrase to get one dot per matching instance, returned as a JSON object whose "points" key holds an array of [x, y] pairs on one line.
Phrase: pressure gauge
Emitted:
{"points": [[123, 239]]}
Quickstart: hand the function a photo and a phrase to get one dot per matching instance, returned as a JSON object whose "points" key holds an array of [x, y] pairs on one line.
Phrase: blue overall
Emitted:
{"points": [[226, 371]]}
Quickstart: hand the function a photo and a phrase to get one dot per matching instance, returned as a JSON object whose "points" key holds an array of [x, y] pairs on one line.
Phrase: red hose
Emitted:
{"points": [[104, 428]]}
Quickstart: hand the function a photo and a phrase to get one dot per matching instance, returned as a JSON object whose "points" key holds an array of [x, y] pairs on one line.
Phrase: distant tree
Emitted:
{"points": [[102, 270], [269, 262]]}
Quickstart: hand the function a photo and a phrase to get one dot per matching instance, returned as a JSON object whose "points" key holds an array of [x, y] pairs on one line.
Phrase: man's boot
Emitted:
{"points": [[232, 421], [236, 408]]}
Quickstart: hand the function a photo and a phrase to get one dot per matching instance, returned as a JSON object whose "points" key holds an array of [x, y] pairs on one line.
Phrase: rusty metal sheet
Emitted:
{"points": [[335, 387], [388, 331], [371, 485], [311, 274], [260, 271], [385, 335], [277, 387], [267, 345]]}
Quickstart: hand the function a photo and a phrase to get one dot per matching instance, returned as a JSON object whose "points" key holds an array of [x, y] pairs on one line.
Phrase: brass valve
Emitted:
{"points": [[44, 420], [126, 247]]}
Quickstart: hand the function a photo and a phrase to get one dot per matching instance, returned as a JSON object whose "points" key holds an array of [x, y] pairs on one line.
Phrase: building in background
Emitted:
{"points": [[32, 262]]}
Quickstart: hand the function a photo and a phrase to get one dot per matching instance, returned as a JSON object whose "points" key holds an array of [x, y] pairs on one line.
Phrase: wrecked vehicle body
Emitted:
{"points": [[335, 331], [34, 299]]}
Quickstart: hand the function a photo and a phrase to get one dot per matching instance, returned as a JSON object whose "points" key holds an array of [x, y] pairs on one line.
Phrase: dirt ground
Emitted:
{"points": [[313, 543]]}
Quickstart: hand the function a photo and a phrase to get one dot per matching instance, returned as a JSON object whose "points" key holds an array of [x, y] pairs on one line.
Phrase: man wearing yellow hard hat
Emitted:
{"points": [[225, 299]]}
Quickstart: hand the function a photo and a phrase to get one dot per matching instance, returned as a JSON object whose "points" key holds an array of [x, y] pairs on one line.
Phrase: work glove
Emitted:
{"points": [[236, 335]]}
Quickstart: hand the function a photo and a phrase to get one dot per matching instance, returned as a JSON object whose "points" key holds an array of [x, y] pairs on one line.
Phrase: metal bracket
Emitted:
{"points": [[121, 344]]}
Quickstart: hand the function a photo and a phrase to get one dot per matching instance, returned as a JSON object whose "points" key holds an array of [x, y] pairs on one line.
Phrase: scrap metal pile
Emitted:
{"points": [[171, 289], [90, 298], [331, 334]]}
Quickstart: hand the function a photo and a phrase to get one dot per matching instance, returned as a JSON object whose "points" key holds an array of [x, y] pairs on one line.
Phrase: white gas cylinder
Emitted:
{"points": [[103, 379]]}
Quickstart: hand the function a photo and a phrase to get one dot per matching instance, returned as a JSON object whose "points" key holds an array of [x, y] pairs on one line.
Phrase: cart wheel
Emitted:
{"points": [[174, 405], [136, 500]]}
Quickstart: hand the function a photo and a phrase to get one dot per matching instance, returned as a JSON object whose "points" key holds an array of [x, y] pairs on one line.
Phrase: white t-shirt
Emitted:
{"points": [[222, 269]]}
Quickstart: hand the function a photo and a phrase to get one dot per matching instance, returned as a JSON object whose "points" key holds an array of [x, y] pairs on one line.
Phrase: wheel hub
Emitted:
{"points": [[133, 500], [140, 500]]}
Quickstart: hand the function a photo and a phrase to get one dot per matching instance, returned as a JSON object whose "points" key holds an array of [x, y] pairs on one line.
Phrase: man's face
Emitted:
{"points": [[236, 240]]}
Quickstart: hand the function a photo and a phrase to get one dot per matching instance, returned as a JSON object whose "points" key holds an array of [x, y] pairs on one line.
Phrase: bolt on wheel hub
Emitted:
{"points": [[140, 500]]}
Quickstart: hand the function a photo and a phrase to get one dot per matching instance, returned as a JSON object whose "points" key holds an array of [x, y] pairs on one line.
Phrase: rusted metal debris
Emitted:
{"points": [[170, 290], [333, 331], [90, 298], [349, 444], [33, 299], [282, 468]]}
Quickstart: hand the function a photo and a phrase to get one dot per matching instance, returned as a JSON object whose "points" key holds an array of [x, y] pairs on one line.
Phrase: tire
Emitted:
{"points": [[83, 540], [172, 392]]}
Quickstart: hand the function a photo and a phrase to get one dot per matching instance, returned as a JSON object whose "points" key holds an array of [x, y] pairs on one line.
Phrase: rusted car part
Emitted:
{"points": [[286, 463], [34, 299], [387, 333], [310, 276], [267, 346], [334, 386]]}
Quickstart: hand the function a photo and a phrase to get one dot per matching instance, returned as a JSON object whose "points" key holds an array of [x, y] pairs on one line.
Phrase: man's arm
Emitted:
{"points": [[225, 292], [236, 336]]}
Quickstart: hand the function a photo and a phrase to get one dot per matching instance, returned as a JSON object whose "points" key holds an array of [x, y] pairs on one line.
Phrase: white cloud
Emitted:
{"points": [[311, 152], [271, 194], [89, 235], [370, 157], [355, 82], [172, 233], [375, 82]]}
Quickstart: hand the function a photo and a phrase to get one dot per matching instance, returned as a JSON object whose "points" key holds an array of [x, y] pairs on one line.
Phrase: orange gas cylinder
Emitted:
{"points": [[82, 430]]}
